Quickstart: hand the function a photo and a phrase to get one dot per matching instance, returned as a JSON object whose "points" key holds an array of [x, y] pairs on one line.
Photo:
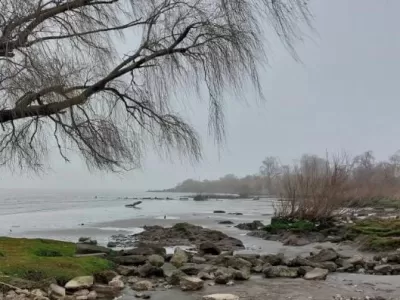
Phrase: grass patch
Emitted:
{"points": [[280, 224], [38, 259], [377, 234], [376, 202]]}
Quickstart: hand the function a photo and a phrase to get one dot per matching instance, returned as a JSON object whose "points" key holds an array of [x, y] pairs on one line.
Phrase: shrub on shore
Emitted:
{"points": [[39, 259]]}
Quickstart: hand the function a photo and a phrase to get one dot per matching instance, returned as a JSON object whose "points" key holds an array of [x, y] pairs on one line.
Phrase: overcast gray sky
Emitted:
{"points": [[344, 95]]}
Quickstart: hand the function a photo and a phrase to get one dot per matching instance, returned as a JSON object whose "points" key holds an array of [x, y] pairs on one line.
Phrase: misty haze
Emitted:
{"points": [[199, 149]]}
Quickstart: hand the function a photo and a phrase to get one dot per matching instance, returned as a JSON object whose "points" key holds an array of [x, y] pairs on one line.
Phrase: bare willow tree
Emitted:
{"points": [[65, 82]]}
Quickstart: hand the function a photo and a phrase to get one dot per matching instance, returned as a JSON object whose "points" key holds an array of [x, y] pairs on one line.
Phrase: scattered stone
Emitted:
{"points": [[209, 248], [117, 282], [38, 293], [225, 222], [111, 244], [91, 249], [198, 260], [127, 270], [394, 257], [222, 275], [105, 276], [105, 291], [191, 283], [206, 275], [255, 225], [273, 259], [316, 274], [143, 285], [92, 295], [148, 270], [329, 265], [325, 255], [142, 295], [83, 292], [280, 271], [383, 269], [230, 283], [87, 240], [130, 260], [56, 292], [179, 258], [241, 274], [221, 297], [146, 250], [156, 260], [294, 240], [356, 260], [191, 269], [81, 282]]}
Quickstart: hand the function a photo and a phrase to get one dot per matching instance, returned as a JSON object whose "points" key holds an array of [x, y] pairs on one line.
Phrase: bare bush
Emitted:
{"points": [[314, 189], [63, 79]]}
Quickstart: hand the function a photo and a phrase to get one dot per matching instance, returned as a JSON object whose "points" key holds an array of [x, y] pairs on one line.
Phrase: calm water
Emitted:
{"points": [[23, 211]]}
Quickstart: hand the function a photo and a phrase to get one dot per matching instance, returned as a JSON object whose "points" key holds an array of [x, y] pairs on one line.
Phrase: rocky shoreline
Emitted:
{"points": [[211, 262]]}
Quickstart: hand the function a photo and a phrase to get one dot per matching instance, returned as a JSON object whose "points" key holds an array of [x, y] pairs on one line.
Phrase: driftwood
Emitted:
{"points": [[133, 204]]}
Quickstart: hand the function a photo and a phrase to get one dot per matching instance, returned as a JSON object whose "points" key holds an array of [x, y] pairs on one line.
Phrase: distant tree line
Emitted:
{"points": [[353, 179]]}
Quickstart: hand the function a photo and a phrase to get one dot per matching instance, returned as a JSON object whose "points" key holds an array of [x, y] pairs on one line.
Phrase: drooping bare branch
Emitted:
{"points": [[65, 83]]}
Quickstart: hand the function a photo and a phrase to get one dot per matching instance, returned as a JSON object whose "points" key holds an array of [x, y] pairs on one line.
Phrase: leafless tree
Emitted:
{"points": [[64, 82]]}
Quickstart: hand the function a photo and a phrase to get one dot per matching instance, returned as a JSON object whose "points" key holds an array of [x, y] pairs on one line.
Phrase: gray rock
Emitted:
{"points": [[156, 260], [294, 240], [356, 260], [222, 275], [219, 211], [191, 283], [105, 291], [273, 259], [175, 277], [237, 262], [383, 269], [111, 244], [105, 276], [394, 257], [191, 269], [91, 249], [316, 274], [179, 258], [325, 255], [168, 269], [92, 295], [280, 271], [148, 270], [143, 285], [255, 225], [198, 260], [209, 248], [117, 283], [130, 260], [81, 282], [56, 292], [127, 270], [329, 265], [87, 240], [241, 274], [221, 297], [146, 250], [206, 275]]}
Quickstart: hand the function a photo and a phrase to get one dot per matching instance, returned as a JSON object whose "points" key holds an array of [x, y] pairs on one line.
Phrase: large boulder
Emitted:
{"points": [[316, 274], [179, 258], [281, 271], [175, 277], [81, 282], [130, 260], [168, 269], [209, 248], [87, 240], [56, 292], [325, 255], [356, 260], [191, 283], [300, 261], [142, 285], [221, 297], [91, 249], [156, 260], [329, 265]]}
